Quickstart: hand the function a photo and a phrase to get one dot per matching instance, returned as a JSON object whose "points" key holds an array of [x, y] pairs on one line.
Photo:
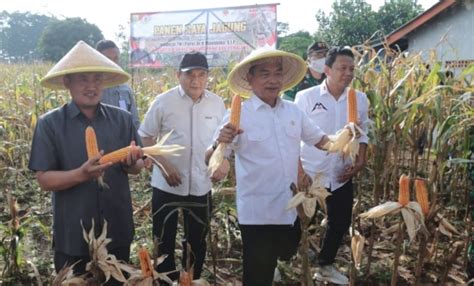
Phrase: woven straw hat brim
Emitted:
{"points": [[83, 58], [294, 69]]}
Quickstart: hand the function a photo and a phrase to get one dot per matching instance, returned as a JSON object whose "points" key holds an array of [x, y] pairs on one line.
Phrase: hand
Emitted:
{"points": [[304, 181], [357, 132], [228, 133], [91, 169], [134, 156], [350, 172], [221, 172], [148, 164], [170, 173]]}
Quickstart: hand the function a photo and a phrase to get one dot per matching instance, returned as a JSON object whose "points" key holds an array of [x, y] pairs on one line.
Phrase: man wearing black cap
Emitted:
{"points": [[315, 56], [193, 113]]}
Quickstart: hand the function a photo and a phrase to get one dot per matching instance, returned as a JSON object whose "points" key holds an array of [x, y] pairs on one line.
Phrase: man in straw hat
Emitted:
{"points": [[267, 150], [193, 113], [59, 158]]}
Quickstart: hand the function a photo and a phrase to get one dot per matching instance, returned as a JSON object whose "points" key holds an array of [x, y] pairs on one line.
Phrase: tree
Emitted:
{"points": [[353, 22], [61, 35], [296, 43], [282, 28], [19, 35], [395, 13], [350, 23]]}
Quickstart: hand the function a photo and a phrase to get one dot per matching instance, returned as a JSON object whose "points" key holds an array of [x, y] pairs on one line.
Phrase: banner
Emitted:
{"points": [[223, 34]]}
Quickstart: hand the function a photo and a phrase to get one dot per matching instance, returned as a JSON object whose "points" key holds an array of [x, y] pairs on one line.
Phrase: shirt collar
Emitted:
{"points": [[258, 103], [325, 91], [74, 110]]}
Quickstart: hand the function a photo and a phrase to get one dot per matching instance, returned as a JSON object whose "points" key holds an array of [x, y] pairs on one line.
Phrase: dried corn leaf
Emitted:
{"points": [[357, 247], [410, 222]]}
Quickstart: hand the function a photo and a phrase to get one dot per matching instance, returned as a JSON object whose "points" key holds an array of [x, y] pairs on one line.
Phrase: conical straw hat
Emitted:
{"points": [[83, 58], [294, 69]]}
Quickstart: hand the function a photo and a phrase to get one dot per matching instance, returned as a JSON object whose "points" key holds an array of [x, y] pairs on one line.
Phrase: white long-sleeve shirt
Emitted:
{"points": [[266, 159], [194, 124], [330, 115]]}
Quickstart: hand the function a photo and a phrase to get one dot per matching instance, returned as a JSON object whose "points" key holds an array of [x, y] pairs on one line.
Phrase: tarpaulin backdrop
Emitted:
{"points": [[160, 39]]}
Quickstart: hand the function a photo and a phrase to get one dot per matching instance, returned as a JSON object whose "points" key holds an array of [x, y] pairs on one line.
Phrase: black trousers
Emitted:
{"points": [[262, 246], [61, 259], [339, 206], [196, 210]]}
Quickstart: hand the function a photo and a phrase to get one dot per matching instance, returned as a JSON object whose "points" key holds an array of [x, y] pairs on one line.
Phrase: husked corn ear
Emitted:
{"points": [[145, 262], [235, 111], [91, 143], [115, 156], [404, 191], [352, 106], [422, 196]]}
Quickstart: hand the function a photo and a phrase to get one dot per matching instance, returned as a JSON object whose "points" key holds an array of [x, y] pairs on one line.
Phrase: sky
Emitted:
{"points": [[299, 14]]}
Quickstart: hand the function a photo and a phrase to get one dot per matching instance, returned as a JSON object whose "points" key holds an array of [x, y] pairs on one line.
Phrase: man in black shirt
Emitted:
{"points": [[59, 158]]}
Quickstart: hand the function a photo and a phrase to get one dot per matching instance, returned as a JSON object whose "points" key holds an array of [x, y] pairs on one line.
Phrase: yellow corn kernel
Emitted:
{"points": [[352, 106], [404, 191], [422, 196], [91, 143], [235, 111], [115, 156]]}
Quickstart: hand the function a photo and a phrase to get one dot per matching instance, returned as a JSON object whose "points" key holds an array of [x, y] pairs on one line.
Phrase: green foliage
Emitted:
{"points": [[282, 28], [395, 13], [61, 35], [19, 35], [296, 43], [353, 22]]}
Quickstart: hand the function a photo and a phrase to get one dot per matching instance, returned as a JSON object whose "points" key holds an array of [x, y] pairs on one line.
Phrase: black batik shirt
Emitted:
{"points": [[59, 144]]}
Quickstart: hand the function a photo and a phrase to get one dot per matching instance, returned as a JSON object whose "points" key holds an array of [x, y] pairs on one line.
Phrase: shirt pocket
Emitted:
{"points": [[259, 143], [207, 126]]}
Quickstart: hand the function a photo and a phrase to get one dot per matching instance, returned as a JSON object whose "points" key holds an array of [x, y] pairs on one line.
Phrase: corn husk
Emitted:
{"points": [[316, 194], [217, 158], [357, 247]]}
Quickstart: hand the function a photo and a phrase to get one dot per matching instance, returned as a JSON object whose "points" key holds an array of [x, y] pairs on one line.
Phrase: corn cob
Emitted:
{"points": [[91, 143], [235, 111], [422, 196], [115, 156], [155, 150], [145, 262], [217, 157], [404, 191], [352, 106], [93, 150]]}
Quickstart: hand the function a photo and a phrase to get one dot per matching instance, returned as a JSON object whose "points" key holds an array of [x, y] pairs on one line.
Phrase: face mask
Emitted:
{"points": [[317, 65]]}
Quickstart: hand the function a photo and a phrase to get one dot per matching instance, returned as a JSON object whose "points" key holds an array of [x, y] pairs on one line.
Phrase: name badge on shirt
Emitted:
{"points": [[123, 104]]}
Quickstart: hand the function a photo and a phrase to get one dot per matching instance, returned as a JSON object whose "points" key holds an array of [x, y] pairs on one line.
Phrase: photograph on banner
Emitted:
{"points": [[159, 39]]}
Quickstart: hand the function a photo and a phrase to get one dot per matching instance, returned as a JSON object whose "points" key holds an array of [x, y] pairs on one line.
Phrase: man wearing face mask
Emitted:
{"points": [[316, 54]]}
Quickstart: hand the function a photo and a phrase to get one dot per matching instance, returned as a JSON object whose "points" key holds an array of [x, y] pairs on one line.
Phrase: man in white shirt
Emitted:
{"points": [[193, 114], [326, 105], [266, 159]]}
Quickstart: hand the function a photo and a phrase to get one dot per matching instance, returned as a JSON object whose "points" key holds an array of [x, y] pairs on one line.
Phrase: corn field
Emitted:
{"points": [[422, 126]]}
